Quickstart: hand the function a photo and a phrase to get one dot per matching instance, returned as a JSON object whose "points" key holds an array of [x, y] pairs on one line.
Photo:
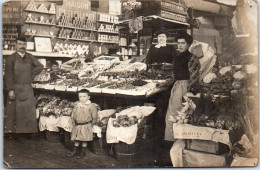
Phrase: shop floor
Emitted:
{"points": [[43, 154]]}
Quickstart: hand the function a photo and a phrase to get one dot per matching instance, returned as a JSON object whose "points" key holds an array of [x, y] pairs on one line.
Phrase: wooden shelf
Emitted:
{"points": [[28, 10], [76, 39], [41, 54], [109, 42], [107, 32], [75, 28], [12, 44], [40, 35], [37, 23], [9, 34], [9, 39], [105, 22]]}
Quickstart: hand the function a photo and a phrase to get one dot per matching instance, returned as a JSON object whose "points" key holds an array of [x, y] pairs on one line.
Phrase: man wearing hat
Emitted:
{"points": [[186, 73], [20, 69]]}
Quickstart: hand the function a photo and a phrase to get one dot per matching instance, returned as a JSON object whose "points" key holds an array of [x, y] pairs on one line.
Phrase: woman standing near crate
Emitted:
{"points": [[84, 116], [186, 73], [160, 57]]}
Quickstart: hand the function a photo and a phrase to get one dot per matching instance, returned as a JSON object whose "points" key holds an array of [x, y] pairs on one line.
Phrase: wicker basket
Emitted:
{"points": [[53, 137], [99, 145], [127, 153], [69, 144]]}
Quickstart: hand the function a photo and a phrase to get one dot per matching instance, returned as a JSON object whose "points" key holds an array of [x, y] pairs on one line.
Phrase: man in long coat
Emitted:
{"points": [[20, 69]]}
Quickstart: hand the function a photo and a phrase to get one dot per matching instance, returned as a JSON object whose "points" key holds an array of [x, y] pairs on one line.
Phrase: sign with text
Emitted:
{"points": [[80, 5], [12, 13], [186, 131]]}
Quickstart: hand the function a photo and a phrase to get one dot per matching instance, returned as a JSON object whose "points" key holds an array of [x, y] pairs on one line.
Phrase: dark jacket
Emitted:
{"points": [[186, 67], [161, 55], [19, 73]]}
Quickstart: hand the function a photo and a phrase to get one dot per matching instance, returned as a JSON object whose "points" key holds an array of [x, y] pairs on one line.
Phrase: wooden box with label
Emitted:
{"points": [[165, 8], [206, 146]]}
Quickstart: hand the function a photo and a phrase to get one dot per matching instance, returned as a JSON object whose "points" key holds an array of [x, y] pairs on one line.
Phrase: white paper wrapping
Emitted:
{"points": [[48, 123]]}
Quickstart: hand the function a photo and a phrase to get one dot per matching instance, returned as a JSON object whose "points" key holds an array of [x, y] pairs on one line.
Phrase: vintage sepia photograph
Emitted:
{"points": [[130, 83]]}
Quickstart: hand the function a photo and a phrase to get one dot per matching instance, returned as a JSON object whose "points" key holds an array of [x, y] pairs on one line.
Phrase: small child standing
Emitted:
{"points": [[84, 116]]}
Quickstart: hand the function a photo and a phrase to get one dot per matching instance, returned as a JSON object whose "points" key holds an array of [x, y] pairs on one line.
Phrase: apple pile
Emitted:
{"points": [[125, 121]]}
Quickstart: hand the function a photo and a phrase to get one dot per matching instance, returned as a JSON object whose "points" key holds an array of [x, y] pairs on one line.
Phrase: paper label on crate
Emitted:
{"points": [[186, 131]]}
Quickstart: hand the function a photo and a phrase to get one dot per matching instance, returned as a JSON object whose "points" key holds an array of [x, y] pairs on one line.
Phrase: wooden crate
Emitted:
{"points": [[201, 159], [203, 145]]}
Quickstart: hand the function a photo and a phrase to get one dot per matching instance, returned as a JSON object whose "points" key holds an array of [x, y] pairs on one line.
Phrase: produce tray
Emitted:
{"points": [[154, 91], [109, 91], [60, 88], [95, 90], [40, 86], [50, 86], [82, 87], [72, 89], [33, 85], [131, 92]]}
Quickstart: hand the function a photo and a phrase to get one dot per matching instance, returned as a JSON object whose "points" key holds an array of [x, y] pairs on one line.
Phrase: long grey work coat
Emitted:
{"points": [[20, 115]]}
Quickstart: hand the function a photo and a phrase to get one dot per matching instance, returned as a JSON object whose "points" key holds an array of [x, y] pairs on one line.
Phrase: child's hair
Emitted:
{"points": [[83, 91]]}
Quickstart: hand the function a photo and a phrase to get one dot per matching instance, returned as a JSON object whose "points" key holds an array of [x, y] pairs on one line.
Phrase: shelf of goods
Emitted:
{"points": [[107, 32], [9, 39], [78, 28], [105, 22], [109, 42], [37, 23], [40, 35], [40, 54], [27, 10], [76, 39]]}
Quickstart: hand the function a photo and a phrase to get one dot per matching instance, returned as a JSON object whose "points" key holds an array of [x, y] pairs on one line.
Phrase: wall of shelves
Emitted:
{"points": [[36, 11], [44, 19]]}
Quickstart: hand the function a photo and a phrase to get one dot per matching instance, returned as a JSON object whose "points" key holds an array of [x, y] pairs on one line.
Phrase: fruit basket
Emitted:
{"points": [[99, 145], [128, 153], [67, 140], [53, 137]]}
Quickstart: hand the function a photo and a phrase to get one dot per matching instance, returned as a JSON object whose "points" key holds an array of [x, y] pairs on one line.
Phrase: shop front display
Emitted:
{"points": [[105, 54]]}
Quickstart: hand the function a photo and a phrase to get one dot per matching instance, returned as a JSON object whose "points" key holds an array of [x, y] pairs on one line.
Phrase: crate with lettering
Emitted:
{"points": [[166, 9], [187, 131]]}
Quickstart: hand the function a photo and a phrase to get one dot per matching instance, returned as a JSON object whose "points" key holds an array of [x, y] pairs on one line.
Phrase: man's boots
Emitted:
{"points": [[82, 153], [74, 151]]}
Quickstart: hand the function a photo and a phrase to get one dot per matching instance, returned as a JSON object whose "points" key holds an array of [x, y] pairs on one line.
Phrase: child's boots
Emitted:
{"points": [[74, 152], [82, 154]]}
